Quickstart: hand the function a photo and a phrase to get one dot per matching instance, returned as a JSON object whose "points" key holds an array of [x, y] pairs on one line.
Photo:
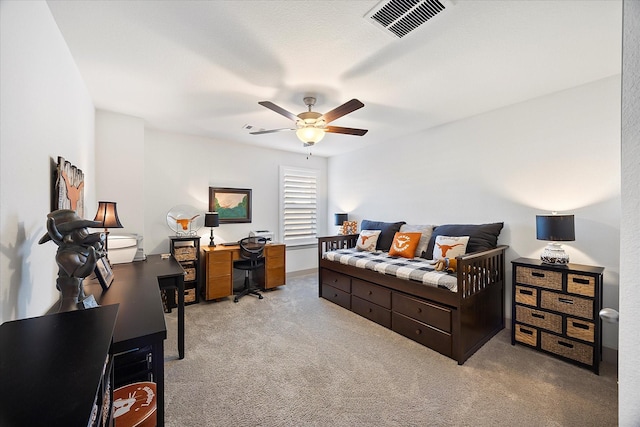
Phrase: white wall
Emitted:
{"points": [[629, 389], [558, 152], [179, 169], [120, 167], [45, 112]]}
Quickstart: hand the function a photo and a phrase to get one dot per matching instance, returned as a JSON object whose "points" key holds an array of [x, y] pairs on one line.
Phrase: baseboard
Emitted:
{"points": [[299, 273], [609, 355]]}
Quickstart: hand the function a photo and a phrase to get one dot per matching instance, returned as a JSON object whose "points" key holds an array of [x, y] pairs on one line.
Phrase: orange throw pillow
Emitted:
{"points": [[404, 244]]}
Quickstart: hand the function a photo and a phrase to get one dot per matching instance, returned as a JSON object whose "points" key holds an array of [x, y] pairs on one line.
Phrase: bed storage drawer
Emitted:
{"points": [[371, 311], [370, 292], [430, 314], [422, 333], [336, 280], [337, 296]]}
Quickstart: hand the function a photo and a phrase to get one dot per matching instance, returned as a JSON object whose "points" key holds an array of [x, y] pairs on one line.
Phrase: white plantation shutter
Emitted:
{"points": [[298, 206]]}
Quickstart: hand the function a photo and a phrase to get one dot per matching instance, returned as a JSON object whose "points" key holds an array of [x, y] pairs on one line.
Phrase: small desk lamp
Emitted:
{"points": [[555, 228], [340, 219], [211, 219], [107, 216]]}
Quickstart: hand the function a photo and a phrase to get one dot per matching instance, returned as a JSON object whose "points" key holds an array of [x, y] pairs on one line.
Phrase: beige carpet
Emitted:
{"points": [[293, 359]]}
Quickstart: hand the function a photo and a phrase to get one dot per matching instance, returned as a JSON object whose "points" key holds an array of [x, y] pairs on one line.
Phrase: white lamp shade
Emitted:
{"points": [[310, 135]]}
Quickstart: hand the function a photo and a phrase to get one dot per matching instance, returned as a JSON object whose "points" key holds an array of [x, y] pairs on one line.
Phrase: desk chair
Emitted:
{"points": [[252, 254]]}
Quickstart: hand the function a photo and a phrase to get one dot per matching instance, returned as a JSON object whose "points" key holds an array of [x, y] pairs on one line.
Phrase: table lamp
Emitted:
{"points": [[107, 216], [555, 228], [340, 219], [211, 219]]}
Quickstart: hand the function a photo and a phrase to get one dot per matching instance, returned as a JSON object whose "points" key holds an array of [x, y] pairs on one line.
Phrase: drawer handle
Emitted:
{"points": [[419, 310], [526, 292], [581, 281], [335, 280], [565, 344], [418, 331], [370, 292], [537, 315], [370, 309], [525, 331], [335, 295], [536, 274], [565, 300], [580, 325]]}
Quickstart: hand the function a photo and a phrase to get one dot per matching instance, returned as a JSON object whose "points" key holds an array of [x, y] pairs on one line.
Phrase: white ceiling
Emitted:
{"points": [[200, 67]]}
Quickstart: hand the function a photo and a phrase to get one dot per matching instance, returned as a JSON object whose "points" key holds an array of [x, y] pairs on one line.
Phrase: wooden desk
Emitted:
{"points": [[218, 269], [54, 368]]}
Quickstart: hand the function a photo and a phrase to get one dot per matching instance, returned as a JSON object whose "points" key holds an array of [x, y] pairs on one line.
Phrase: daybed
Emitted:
{"points": [[452, 313]]}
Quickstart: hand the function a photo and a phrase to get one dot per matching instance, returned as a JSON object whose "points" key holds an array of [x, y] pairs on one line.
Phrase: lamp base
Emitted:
{"points": [[554, 254], [211, 243]]}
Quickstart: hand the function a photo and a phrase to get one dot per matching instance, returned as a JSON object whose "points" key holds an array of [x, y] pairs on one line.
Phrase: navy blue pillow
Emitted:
{"points": [[388, 231], [481, 236]]}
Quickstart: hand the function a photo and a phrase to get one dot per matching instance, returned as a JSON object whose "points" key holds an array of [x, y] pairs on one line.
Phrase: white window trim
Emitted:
{"points": [[310, 228]]}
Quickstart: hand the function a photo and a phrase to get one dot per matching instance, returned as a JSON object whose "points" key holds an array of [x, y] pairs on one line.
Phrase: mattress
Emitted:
{"points": [[417, 269]]}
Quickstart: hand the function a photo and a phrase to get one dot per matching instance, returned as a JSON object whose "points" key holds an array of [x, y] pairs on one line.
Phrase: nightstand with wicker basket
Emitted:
{"points": [[555, 310]]}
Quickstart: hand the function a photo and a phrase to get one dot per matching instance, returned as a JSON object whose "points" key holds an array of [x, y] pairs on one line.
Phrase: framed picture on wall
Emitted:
{"points": [[104, 273], [232, 204], [69, 187]]}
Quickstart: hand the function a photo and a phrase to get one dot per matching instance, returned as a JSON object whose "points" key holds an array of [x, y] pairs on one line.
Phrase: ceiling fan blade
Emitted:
{"points": [[270, 105], [260, 132], [348, 131], [342, 110]]}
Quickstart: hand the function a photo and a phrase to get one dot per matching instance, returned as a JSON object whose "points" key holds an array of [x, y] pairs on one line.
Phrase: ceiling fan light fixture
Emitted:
{"points": [[310, 134]]}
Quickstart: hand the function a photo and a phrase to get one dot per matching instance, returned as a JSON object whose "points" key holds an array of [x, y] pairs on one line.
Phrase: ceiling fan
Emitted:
{"points": [[310, 125]]}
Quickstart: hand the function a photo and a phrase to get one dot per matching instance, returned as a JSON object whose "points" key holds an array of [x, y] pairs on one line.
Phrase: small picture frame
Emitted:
{"points": [[104, 273]]}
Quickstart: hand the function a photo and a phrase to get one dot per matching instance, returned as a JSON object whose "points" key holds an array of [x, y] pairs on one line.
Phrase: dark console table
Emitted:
{"points": [[55, 370], [140, 328], [140, 325]]}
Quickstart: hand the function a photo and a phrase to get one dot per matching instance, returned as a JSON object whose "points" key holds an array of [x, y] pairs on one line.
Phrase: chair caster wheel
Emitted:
{"points": [[260, 297], [235, 300]]}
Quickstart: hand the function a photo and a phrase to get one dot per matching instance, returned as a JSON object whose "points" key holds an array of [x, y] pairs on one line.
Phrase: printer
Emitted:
{"points": [[262, 233]]}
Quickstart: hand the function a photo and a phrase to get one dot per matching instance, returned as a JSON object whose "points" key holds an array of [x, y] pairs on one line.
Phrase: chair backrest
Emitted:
{"points": [[252, 248]]}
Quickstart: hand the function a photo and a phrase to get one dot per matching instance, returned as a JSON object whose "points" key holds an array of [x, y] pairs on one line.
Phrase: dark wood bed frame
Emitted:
{"points": [[455, 324]]}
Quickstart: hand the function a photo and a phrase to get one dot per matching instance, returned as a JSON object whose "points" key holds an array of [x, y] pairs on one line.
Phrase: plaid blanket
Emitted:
{"points": [[416, 269]]}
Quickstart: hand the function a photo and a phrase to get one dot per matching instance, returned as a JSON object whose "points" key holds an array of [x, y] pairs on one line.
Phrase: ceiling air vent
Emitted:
{"points": [[400, 17]]}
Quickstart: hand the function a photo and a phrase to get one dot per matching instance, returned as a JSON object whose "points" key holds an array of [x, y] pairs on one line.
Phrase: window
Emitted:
{"points": [[298, 206]]}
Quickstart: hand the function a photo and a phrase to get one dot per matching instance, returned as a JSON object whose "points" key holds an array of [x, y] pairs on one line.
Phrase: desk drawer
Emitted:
{"points": [[430, 314], [371, 311], [420, 332], [336, 280], [568, 304], [370, 292], [337, 296], [538, 277]]}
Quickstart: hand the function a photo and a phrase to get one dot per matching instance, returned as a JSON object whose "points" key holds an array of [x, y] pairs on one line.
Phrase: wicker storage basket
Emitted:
{"points": [[185, 253], [189, 295], [189, 274]]}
